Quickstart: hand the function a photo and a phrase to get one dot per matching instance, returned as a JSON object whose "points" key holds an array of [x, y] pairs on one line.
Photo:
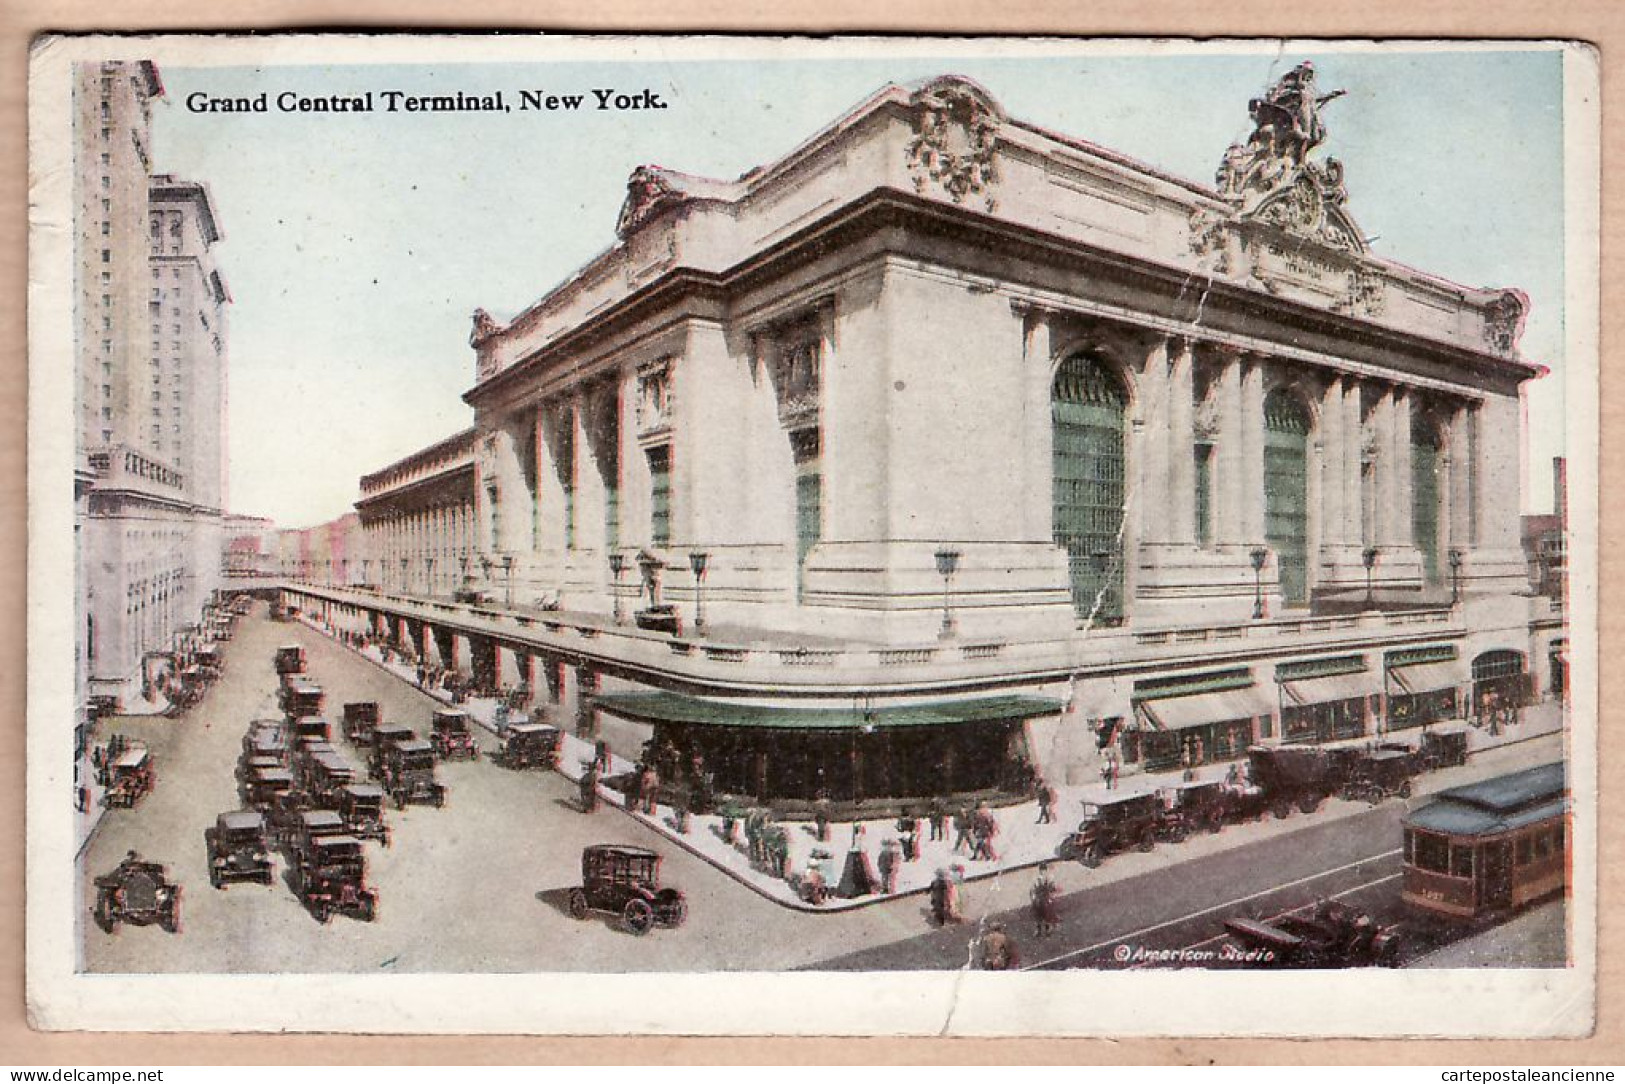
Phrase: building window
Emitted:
{"points": [[1204, 494], [107, 227], [107, 255], [804, 446], [1286, 490], [660, 495], [1426, 461], [1087, 404], [491, 504]]}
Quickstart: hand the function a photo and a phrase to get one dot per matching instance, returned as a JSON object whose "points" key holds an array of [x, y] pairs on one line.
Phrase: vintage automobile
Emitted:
{"points": [[326, 773], [1382, 773], [1115, 822], [1332, 935], [530, 745], [299, 829], [1444, 747], [139, 893], [309, 728], [238, 850], [130, 777], [1193, 806], [210, 661], [268, 788], [626, 881], [362, 807], [300, 697], [1301, 777], [409, 774], [384, 736], [290, 659], [251, 764], [452, 738], [332, 877], [266, 744], [359, 719]]}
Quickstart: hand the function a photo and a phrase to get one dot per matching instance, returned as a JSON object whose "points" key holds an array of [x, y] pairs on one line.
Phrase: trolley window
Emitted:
{"points": [[1525, 850], [1431, 853], [1461, 861], [1543, 845]]}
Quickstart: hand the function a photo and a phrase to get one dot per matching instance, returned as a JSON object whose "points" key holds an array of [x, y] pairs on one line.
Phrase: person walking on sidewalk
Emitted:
{"points": [[891, 858], [962, 829], [589, 788], [1045, 894], [1046, 803], [944, 899], [998, 950], [939, 821]]}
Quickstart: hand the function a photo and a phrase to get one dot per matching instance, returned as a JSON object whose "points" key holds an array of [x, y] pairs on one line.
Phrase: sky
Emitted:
{"points": [[356, 246]]}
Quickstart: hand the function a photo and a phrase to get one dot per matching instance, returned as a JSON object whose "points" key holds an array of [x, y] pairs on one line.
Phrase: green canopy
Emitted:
{"points": [[675, 708]]}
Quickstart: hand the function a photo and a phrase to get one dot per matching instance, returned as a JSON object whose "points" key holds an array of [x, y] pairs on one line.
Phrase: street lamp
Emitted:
{"points": [[1368, 557], [697, 560], [1259, 555], [947, 565], [507, 568], [617, 565], [1455, 576]]}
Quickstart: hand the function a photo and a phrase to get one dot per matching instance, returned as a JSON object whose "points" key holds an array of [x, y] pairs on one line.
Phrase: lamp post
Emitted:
{"points": [[404, 562], [1456, 557], [617, 565], [947, 565], [1368, 557], [698, 560], [1259, 555], [507, 568]]}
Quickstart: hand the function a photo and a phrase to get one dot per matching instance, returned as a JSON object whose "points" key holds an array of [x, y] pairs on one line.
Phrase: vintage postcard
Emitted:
{"points": [[766, 536]]}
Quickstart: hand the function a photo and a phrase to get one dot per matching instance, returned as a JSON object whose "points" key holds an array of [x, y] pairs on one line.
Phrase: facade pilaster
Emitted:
{"points": [[1181, 505], [1252, 441]]}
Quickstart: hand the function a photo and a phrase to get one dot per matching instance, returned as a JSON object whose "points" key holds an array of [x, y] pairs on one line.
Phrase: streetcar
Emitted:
{"points": [[1484, 850]]}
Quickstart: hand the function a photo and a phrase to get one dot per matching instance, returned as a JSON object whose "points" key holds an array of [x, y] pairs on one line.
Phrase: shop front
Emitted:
{"points": [[1500, 687], [1326, 700], [1423, 686], [1196, 719]]}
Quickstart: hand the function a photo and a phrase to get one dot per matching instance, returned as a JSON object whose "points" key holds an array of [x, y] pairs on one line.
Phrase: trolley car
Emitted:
{"points": [[1487, 849]]}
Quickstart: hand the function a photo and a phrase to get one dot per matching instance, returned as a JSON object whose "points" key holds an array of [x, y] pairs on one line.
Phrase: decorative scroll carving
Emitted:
{"points": [[1503, 321], [647, 190], [654, 408], [1210, 238], [954, 145]]}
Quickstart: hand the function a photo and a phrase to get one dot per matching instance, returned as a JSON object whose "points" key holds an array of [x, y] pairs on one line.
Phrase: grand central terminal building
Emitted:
{"points": [[947, 451]]}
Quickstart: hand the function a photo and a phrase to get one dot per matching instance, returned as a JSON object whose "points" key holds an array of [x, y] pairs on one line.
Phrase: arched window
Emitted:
{"points": [[1286, 490], [1087, 404], [1426, 461]]}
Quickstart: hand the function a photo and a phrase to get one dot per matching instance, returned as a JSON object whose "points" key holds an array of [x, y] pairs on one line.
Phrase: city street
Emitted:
{"points": [[481, 884]]}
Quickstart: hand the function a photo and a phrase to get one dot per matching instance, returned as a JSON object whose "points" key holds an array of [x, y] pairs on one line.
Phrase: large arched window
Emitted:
{"points": [[1286, 490], [1087, 404], [1426, 461]]}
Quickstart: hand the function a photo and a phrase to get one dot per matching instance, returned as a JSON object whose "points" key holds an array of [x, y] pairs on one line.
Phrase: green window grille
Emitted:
{"points": [[566, 463], [660, 495], [532, 473], [1087, 410], [495, 518], [1204, 494], [1497, 664], [612, 514], [1319, 668], [1425, 463], [804, 446], [1211, 681], [1286, 490]]}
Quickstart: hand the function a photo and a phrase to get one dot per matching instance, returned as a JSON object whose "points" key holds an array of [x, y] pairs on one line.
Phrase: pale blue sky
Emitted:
{"points": [[357, 246]]}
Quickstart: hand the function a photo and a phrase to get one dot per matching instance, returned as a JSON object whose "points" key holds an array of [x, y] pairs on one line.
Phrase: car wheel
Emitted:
{"points": [[578, 903], [1405, 789], [1281, 810], [1309, 803], [638, 917], [170, 919], [369, 908], [1090, 855], [104, 913], [1148, 839], [323, 912]]}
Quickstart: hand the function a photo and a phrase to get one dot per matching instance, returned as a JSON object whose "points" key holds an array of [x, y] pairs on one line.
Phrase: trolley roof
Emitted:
{"points": [[1498, 805]]}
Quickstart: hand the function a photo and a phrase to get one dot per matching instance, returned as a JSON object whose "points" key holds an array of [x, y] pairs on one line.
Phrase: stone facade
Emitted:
{"points": [[416, 520]]}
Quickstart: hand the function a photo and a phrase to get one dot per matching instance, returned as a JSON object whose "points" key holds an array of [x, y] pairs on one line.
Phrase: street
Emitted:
{"points": [[481, 885]]}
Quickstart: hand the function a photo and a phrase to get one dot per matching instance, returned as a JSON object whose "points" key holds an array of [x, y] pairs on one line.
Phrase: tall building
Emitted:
{"points": [[151, 368], [948, 449]]}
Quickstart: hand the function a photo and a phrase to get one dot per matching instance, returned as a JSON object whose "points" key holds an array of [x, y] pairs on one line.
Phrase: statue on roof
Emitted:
{"points": [[484, 327]]}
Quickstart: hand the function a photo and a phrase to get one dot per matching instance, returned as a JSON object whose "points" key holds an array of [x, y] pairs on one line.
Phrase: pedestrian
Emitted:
{"points": [[634, 787], [1113, 767], [939, 821], [962, 829], [814, 889], [984, 826], [909, 825], [600, 755], [681, 813], [1046, 804], [650, 786], [589, 788], [821, 816], [891, 860], [1045, 894], [753, 835], [778, 851], [998, 949], [944, 899]]}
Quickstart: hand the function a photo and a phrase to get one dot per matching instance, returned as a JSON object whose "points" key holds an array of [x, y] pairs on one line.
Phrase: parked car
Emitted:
{"points": [[626, 881], [130, 777], [362, 807], [139, 893], [290, 659], [409, 774], [301, 828], [359, 719], [332, 877], [300, 697], [452, 738], [1444, 747], [237, 848], [1383, 772], [1193, 806], [1115, 823], [384, 737], [326, 773], [1333, 935], [530, 745], [267, 789]]}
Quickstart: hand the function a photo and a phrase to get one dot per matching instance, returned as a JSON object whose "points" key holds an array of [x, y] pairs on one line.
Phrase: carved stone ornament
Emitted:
{"points": [[654, 398], [1205, 419], [1210, 239], [797, 374], [1271, 177], [1364, 295], [1503, 321], [485, 326], [647, 190], [956, 126]]}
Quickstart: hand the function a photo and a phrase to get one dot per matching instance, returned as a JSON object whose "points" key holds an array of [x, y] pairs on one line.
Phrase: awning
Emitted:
{"points": [[1325, 690], [675, 708], [1179, 712], [1426, 678]]}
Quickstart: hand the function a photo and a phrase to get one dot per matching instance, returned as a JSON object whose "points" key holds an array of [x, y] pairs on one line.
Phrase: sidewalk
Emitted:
{"points": [[1022, 842]]}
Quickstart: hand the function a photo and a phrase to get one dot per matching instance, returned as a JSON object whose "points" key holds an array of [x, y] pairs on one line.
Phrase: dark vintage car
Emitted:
{"points": [[1333, 934], [1193, 806], [362, 807], [409, 774], [625, 881], [139, 893], [300, 829], [210, 661], [1113, 823], [250, 764], [1383, 772], [359, 719], [332, 877], [452, 738], [130, 777], [384, 737], [290, 659], [238, 850], [268, 788], [1299, 776], [326, 773], [530, 745], [299, 697], [1444, 747]]}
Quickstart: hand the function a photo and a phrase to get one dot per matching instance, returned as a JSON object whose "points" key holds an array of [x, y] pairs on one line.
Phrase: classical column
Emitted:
{"points": [[1152, 445], [1353, 463], [1252, 467], [1038, 452], [1230, 527], [1387, 500], [1459, 475], [1181, 504], [1402, 529], [1333, 467]]}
